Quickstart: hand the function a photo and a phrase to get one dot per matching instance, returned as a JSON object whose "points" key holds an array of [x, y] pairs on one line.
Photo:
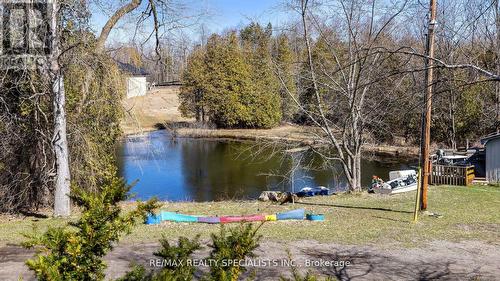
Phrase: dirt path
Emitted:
{"points": [[440, 260]]}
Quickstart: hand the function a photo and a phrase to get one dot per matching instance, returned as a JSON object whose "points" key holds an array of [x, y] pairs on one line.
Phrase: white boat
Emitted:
{"points": [[399, 182]]}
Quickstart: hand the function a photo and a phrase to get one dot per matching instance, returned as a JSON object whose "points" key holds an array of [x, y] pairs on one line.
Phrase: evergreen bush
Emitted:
{"points": [[76, 251], [231, 244]]}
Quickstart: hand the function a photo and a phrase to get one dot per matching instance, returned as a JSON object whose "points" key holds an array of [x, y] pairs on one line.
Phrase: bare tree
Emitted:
{"points": [[63, 179], [341, 104]]}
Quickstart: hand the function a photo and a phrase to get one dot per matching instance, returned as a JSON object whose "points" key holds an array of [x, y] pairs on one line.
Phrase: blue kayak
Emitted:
{"points": [[171, 216], [291, 215]]}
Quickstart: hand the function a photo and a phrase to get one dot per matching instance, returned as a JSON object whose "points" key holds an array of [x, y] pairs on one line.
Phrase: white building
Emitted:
{"points": [[492, 147], [137, 84]]}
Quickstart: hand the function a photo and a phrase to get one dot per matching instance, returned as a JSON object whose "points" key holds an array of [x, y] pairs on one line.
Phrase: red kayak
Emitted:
{"points": [[248, 218]]}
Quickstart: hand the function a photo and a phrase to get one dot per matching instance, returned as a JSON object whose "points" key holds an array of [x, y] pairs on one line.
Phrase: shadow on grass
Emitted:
{"points": [[391, 219], [366, 265], [33, 214], [354, 207]]}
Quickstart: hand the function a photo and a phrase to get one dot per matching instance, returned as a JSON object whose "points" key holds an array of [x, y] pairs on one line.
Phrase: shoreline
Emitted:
{"points": [[286, 134], [160, 107]]}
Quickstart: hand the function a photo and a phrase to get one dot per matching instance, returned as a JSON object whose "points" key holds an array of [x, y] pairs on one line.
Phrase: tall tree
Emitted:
{"points": [[284, 62], [192, 92], [156, 10], [62, 202], [263, 99], [228, 82]]}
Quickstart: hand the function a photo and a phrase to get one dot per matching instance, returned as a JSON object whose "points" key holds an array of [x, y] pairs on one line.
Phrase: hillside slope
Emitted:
{"points": [[143, 113]]}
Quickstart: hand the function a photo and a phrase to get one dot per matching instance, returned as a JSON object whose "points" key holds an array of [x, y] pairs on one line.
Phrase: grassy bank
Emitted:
{"points": [[467, 214]]}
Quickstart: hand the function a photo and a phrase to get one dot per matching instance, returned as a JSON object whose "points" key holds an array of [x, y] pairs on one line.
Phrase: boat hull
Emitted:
{"points": [[316, 191], [396, 190]]}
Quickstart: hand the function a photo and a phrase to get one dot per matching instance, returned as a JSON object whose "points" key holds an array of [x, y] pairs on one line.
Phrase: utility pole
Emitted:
{"points": [[496, 4], [425, 161]]}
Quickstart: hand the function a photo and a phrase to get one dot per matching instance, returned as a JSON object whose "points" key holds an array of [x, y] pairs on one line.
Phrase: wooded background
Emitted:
{"points": [[352, 68]]}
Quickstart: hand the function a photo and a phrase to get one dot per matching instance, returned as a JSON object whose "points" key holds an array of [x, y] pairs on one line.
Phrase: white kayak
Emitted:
{"points": [[399, 182]]}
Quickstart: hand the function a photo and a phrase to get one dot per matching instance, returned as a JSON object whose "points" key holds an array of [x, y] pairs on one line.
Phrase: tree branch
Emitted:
{"points": [[101, 40]]}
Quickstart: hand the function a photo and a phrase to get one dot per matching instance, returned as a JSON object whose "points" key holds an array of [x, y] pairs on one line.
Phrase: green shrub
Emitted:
{"points": [[76, 251], [138, 273], [182, 253], [308, 277], [234, 244]]}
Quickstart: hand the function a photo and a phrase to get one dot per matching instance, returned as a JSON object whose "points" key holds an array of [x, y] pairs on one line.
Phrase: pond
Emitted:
{"points": [[187, 169]]}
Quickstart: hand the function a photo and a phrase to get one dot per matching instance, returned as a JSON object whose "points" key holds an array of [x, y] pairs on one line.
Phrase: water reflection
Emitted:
{"points": [[206, 170]]}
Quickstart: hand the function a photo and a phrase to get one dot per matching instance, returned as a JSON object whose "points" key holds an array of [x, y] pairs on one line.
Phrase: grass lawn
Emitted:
{"points": [[468, 213]]}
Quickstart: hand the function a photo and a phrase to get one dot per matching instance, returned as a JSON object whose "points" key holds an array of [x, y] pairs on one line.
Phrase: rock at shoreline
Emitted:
{"points": [[277, 196]]}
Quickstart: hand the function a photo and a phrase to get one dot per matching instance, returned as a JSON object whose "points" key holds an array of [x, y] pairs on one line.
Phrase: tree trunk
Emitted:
{"points": [[197, 105], [354, 177], [350, 172], [353, 172], [62, 206], [357, 172]]}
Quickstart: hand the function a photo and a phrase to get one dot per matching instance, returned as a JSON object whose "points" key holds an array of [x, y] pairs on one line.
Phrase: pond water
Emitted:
{"points": [[186, 169]]}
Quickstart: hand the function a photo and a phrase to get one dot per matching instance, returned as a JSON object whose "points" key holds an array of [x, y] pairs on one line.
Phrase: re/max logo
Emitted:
{"points": [[25, 28]]}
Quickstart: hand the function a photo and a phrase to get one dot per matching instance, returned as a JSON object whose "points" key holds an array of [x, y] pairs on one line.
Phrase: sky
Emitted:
{"points": [[220, 15], [230, 13]]}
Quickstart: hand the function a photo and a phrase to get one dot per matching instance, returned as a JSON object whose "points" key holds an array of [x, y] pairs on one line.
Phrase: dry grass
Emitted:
{"points": [[143, 113], [468, 214], [288, 133]]}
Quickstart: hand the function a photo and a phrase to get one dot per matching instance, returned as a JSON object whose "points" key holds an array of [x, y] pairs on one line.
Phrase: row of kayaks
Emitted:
{"points": [[298, 214]]}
